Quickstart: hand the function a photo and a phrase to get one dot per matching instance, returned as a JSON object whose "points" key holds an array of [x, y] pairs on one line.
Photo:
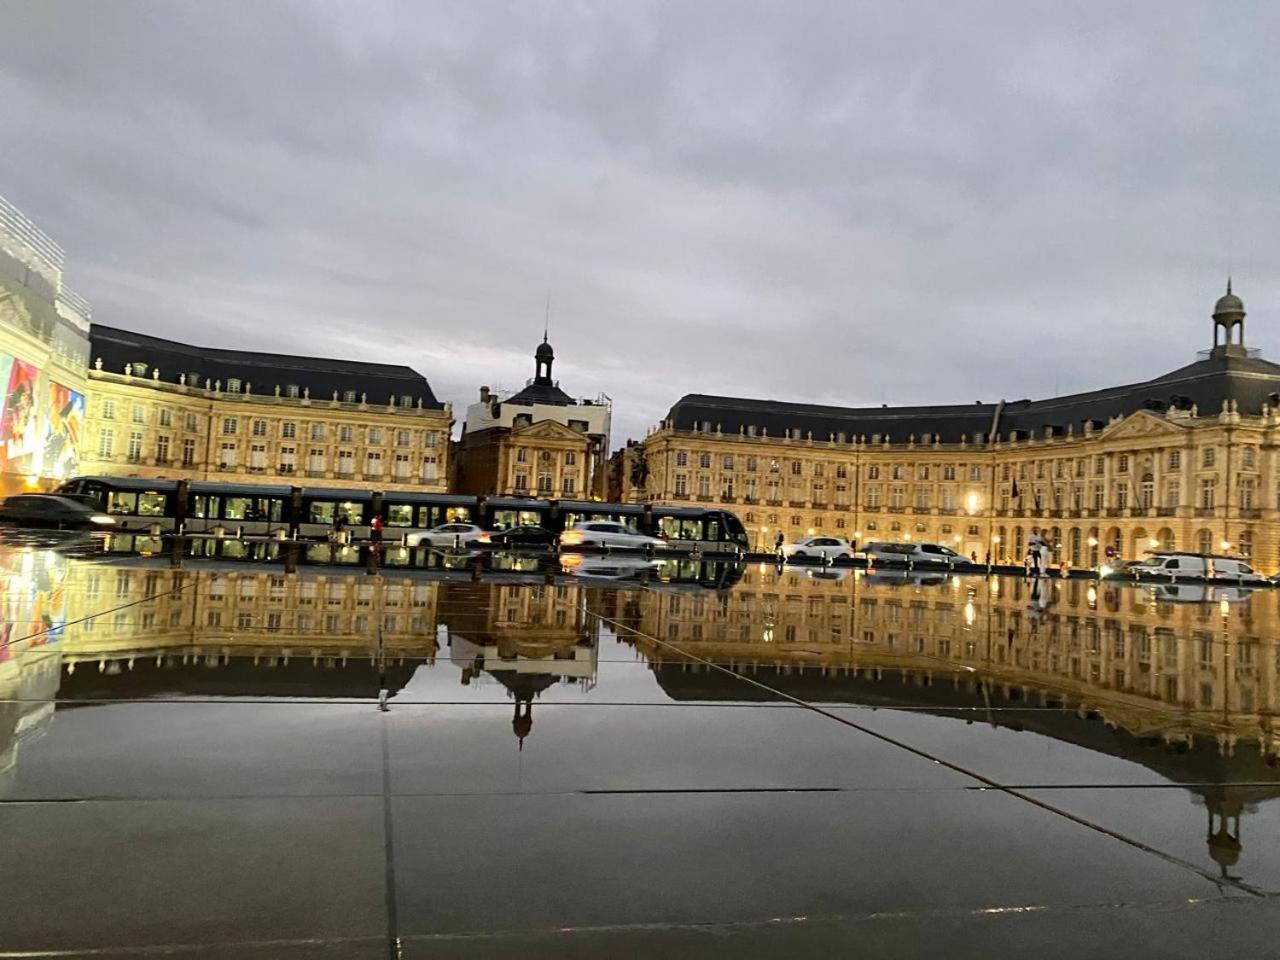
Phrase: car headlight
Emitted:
{"points": [[571, 537], [102, 518]]}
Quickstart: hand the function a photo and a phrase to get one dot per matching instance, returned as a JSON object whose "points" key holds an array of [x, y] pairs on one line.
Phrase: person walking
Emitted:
{"points": [[778, 541], [375, 530]]}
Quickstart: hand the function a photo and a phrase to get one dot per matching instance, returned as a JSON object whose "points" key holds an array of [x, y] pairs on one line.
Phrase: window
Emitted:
{"points": [[227, 456], [728, 461], [897, 473], [1209, 457], [288, 459], [569, 483], [138, 414], [166, 417], [949, 472], [1246, 493], [346, 461], [544, 483], [975, 474], [1122, 463], [873, 472], [258, 456], [682, 458], [873, 498], [1175, 459], [1207, 492], [842, 472], [430, 467], [522, 455], [345, 433], [188, 453], [922, 472], [401, 466], [682, 485], [431, 441], [704, 460], [373, 463], [162, 449], [402, 438], [288, 430], [229, 425], [375, 434], [1171, 494], [795, 468], [135, 446], [570, 459], [233, 385], [1248, 458], [259, 428], [752, 463], [1122, 496], [292, 391], [317, 431], [348, 396], [1099, 465], [106, 443], [522, 481]]}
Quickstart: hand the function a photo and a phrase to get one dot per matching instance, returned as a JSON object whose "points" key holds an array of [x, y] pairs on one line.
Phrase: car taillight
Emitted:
{"points": [[484, 538]]}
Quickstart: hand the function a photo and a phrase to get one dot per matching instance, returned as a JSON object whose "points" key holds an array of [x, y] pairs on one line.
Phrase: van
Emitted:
{"points": [[913, 553], [1196, 567]]}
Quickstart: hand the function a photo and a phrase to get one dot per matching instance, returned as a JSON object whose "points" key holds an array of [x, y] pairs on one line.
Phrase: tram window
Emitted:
{"points": [[322, 511], [122, 502], [151, 504], [200, 507], [509, 519], [399, 515], [458, 515]]}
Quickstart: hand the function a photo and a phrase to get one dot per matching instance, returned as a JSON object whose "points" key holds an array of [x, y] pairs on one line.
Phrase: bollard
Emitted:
{"points": [[155, 529], [281, 534], [219, 532]]}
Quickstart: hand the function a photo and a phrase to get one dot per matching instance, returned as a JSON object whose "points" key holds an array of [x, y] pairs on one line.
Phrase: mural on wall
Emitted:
{"points": [[40, 422], [62, 435]]}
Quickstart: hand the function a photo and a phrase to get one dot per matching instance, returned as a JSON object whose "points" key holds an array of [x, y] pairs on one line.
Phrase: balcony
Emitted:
{"points": [[1115, 512], [919, 511], [871, 508], [843, 506], [1166, 511], [796, 504], [1250, 513], [376, 477], [1075, 513], [285, 468], [819, 504], [948, 511], [773, 503], [704, 498], [750, 499], [315, 473], [1204, 511]]}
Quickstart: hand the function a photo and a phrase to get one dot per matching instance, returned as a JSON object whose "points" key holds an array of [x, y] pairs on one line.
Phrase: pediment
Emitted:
{"points": [[547, 430], [1141, 425]]}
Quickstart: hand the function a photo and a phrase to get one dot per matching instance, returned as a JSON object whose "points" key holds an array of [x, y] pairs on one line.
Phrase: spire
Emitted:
{"points": [[546, 320], [1228, 284]]}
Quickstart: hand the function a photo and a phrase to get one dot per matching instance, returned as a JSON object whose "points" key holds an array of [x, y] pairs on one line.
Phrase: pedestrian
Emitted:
{"points": [[375, 529], [973, 556], [778, 541]]}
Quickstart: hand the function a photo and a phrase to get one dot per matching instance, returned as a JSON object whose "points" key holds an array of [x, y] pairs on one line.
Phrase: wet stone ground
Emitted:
{"points": [[519, 757]]}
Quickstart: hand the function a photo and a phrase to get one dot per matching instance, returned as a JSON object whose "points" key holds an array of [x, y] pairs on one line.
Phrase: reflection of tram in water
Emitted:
{"points": [[139, 504]]}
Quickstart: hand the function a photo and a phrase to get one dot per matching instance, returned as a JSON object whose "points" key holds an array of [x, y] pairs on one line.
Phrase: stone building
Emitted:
{"points": [[537, 442], [158, 408], [1187, 460]]}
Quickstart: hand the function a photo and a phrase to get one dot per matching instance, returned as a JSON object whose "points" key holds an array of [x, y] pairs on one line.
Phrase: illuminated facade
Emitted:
{"points": [[1185, 461], [160, 409], [537, 442], [44, 348]]}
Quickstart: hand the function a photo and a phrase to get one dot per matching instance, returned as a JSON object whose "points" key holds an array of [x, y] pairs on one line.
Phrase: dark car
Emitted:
{"points": [[528, 535], [52, 511]]}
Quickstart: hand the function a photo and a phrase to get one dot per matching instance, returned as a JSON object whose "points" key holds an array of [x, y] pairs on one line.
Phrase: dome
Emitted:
{"points": [[544, 352], [1229, 307]]}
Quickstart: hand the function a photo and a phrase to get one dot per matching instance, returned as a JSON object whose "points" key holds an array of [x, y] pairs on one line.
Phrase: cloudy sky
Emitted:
{"points": [[846, 203]]}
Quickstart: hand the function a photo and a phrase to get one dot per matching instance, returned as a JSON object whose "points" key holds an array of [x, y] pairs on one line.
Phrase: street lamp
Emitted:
{"points": [[1226, 546], [763, 532], [1093, 541]]}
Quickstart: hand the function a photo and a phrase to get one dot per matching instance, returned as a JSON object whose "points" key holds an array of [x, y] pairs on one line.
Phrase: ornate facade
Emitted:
{"points": [[161, 409], [537, 442], [1185, 461]]}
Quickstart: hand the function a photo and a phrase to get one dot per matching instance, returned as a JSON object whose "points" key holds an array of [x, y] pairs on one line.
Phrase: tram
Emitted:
{"points": [[169, 506]]}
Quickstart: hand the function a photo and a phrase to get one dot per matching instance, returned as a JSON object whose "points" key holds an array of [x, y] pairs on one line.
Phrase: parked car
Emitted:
{"points": [[606, 533], [914, 553], [609, 568], [448, 535], [527, 535], [50, 510], [1194, 566], [825, 547]]}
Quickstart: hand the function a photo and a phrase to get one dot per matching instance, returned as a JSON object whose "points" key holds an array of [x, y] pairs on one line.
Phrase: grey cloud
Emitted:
{"points": [[839, 202]]}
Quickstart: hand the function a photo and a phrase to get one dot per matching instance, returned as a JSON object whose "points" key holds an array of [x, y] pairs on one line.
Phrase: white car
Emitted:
{"points": [[827, 548], [607, 533], [914, 553], [448, 535]]}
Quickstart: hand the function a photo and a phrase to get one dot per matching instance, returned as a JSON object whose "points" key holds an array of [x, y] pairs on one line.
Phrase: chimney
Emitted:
{"points": [[484, 394]]}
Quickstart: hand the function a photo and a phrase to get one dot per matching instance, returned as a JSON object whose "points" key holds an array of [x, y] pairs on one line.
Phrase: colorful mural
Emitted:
{"points": [[40, 422]]}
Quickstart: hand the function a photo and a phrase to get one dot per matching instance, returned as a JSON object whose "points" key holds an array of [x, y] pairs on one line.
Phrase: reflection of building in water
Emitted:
{"points": [[1187, 689], [257, 627], [526, 637], [33, 608]]}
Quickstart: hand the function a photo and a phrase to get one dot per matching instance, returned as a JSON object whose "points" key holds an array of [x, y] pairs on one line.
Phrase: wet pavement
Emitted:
{"points": [[263, 755]]}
